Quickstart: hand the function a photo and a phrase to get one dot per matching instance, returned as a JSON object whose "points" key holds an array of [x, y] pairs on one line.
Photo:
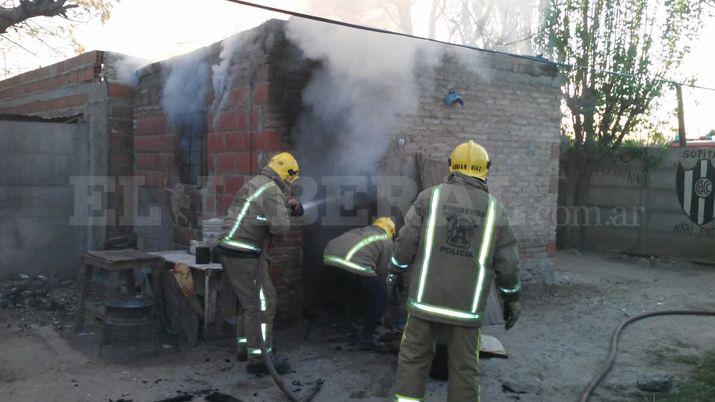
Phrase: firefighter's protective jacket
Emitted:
{"points": [[456, 238], [364, 251], [258, 208]]}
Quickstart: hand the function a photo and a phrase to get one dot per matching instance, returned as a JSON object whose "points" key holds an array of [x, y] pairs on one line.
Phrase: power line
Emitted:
{"points": [[394, 33], [20, 46]]}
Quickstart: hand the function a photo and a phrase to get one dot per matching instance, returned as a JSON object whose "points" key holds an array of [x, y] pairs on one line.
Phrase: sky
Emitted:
{"points": [[699, 104], [158, 29]]}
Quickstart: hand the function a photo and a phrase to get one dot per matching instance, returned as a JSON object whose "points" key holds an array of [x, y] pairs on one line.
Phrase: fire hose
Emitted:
{"points": [[262, 272], [613, 348]]}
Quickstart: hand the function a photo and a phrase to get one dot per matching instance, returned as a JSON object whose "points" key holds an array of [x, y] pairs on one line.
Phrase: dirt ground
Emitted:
{"points": [[554, 349]]}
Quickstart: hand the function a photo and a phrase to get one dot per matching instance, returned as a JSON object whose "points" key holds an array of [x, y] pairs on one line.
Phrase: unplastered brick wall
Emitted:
{"points": [[267, 76], [58, 90], [511, 107], [155, 151], [79, 88], [246, 123]]}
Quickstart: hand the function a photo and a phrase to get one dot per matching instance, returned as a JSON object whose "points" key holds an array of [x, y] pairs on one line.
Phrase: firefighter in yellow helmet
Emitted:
{"points": [[259, 208], [456, 240], [366, 252]]}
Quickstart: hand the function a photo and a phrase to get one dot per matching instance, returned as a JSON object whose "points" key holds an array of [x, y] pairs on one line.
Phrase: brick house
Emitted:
{"points": [[194, 149]]}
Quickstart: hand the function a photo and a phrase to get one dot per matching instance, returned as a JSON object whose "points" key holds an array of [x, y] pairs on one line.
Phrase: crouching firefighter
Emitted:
{"points": [[456, 239], [366, 252], [259, 209]]}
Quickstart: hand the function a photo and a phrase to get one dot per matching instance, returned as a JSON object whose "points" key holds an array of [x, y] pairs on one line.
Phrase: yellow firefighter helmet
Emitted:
{"points": [[386, 224], [286, 166], [471, 159]]}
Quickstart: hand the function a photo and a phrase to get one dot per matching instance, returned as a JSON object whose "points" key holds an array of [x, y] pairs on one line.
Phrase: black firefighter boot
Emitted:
{"points": [[242, 354], [242, 350], [366, 338]]}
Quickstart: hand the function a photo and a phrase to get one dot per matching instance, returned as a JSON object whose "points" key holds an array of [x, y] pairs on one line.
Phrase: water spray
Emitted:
{"points": [[317, 203]]}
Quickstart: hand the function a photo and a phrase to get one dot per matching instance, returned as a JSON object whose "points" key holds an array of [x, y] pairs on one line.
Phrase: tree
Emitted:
{"points": [[387, 14], [642, 41], [27, 9], [503, 25], [14, 13], [493, 24], [30, 27]]}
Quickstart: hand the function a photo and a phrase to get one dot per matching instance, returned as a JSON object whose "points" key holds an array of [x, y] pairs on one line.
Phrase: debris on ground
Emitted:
{"points": [[220, 397], [38, 300], [520, 388], [553, 350], [180, 398], [655, 383]]}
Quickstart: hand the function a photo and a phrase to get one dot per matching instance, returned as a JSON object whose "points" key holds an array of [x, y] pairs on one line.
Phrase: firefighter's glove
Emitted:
{"points": [[512, 311], [296, 208]]}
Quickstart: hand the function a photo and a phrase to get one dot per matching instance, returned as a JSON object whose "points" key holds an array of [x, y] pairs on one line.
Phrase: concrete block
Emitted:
{"points": [[37, 169], [59, 261], [621, 176], [674, 223], [662, 179], [663, 200], [614, 196], [612, 239], [18, 202], [29, 233], [696, 246], [19, 137]]}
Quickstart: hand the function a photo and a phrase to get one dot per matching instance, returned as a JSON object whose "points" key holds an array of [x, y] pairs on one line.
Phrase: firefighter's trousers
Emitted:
{"points": [[417, 351], [255, 318]]}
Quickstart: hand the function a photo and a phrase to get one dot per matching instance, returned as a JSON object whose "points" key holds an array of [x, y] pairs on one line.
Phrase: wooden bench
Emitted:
{"points": [[115, 262]]}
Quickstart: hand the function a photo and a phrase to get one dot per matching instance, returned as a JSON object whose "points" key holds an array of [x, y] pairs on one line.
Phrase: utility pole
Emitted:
{"points": [[681, 116]]}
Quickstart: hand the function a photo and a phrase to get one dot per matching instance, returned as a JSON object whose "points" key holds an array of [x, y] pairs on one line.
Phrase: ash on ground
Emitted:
{"points": [[38, 300]]}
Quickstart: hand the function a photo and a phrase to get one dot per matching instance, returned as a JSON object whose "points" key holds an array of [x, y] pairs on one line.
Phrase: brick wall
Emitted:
{"points": [[78, 88], [255, 124], [242, 134], [155, 151], [58, 90], [511, 108], [120, 161]]}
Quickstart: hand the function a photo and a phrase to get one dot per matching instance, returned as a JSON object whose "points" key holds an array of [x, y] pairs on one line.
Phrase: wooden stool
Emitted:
{"points": [[114, 262]]}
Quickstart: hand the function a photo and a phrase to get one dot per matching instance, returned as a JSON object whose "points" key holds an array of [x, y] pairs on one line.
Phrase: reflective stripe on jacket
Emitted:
{"points": [[258, 208], [364, 251], [456, 238]]}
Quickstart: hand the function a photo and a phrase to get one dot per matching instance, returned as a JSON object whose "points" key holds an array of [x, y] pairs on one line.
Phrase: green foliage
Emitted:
{"points": [[700, 387], [634, 150], [643, 41]]}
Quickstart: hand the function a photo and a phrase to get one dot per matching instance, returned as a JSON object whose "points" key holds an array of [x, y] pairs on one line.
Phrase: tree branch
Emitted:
{"points": [[30, 9]]}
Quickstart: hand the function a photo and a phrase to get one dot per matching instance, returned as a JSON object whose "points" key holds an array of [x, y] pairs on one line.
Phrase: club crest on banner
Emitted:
{"points": [[695, 191]]}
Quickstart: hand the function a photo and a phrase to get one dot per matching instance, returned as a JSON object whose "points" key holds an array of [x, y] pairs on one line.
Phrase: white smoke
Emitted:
{"points": [[126, 69], [186, 86], [221, 79], [475, 62], [365, 84]]}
